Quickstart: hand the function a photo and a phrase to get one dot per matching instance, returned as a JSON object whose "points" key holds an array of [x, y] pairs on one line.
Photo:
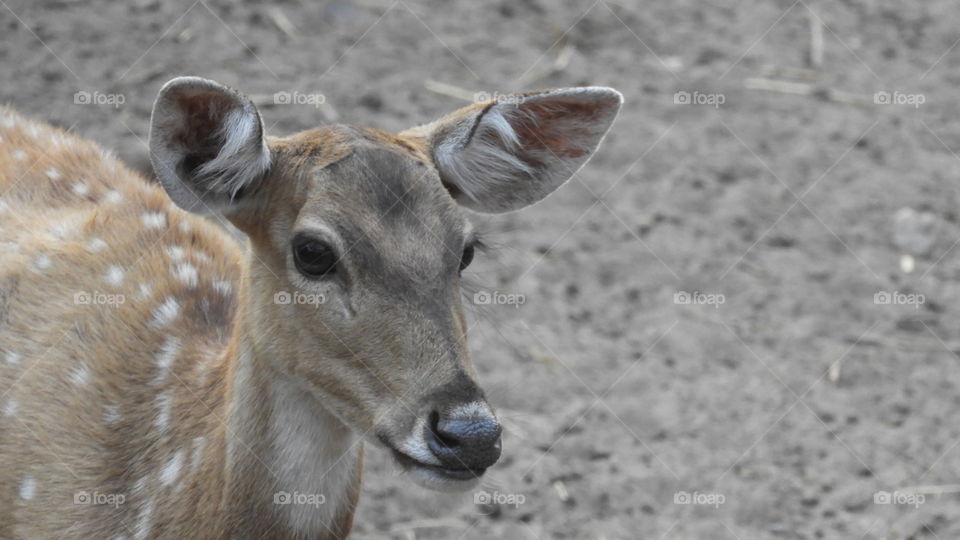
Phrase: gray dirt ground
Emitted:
{"points": [[616, 398]]}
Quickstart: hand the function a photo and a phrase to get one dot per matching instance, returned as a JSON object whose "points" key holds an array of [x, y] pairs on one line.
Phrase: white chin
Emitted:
{"points": [[437, 481]]}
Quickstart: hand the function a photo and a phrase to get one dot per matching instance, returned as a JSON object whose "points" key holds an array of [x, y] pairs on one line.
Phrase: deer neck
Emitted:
{"points": [[286, 453]]}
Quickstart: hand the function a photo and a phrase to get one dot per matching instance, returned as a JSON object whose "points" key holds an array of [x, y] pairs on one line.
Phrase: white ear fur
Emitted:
{"points": [[505, 155], [206, 144]]}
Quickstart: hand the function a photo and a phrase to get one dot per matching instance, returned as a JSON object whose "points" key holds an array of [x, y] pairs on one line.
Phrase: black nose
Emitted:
{"points": [[464, 442]]}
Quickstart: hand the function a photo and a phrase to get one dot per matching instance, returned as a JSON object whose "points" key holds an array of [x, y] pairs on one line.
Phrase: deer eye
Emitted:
{"points": [[467, 256], [314, 258]]}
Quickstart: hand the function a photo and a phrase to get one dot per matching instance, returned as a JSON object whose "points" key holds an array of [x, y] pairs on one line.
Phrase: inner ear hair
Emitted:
{"points": [[507, 154], [207, 145]]}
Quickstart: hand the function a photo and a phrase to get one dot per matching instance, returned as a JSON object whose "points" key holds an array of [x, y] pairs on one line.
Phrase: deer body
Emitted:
{"points": [[152, 386], [141, 391]]}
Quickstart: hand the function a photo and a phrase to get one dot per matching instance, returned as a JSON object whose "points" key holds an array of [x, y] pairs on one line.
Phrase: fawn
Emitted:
{"points": [[161, 379]]}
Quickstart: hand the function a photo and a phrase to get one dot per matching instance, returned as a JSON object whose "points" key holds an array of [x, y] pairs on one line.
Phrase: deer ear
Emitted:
{"points": [[509, 153], [206, 144]]}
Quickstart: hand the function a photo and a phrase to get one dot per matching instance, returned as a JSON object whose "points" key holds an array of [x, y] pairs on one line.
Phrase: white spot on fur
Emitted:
{"points": [[80, 189], [176, 252], [185, 226], [52, 174], [4, 207], [112, 197], [223, 287], [28, 488], [33, 131], [13, 358], [167, 356], [164, 405], [166, 312], [112, 415], [80, 375], [186, 273], [19, 155], [171, 470], [42, 261], [11, 406], [202, 257], [154, 220], [145, 291], [114, 276], [9, 121], [63, 229], [96, 244], [144, 523]]}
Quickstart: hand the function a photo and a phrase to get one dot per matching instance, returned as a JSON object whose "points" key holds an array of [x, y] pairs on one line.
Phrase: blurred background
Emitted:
{"points": [[739, 320]]}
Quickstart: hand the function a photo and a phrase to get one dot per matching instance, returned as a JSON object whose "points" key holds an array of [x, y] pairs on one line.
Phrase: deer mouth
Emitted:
{"points": [[435, 476], [448, 452]]}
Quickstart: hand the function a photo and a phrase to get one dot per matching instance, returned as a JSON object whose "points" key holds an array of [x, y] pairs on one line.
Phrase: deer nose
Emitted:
{"points": [[464, 442]]}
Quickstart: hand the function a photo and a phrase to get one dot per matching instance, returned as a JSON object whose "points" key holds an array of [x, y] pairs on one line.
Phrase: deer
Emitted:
{"points": [[161, 377]]}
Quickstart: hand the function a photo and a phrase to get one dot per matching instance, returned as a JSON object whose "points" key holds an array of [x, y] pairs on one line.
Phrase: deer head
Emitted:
{"points": [[368, 229]]}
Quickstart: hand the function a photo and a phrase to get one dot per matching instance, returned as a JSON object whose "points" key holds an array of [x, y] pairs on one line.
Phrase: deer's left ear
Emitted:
{"points": [[509, 153]]}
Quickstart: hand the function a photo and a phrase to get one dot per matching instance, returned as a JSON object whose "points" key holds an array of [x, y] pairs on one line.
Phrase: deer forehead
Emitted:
{"points": [[363, 170], [383, 204]]}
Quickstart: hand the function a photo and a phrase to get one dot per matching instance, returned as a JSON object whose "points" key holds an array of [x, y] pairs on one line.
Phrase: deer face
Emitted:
{"points": [[361, 268], [357, 242]]}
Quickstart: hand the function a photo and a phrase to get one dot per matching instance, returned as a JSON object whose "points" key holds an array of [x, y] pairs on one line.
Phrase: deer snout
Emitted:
{"points": [[464, 439]]}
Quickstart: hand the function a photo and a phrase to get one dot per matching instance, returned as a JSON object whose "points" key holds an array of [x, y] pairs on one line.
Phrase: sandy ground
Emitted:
{"points": [[784, 397]]}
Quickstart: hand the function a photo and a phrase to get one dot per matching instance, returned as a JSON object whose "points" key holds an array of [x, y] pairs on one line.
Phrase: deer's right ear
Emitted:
{"points": [[206, 144]]}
